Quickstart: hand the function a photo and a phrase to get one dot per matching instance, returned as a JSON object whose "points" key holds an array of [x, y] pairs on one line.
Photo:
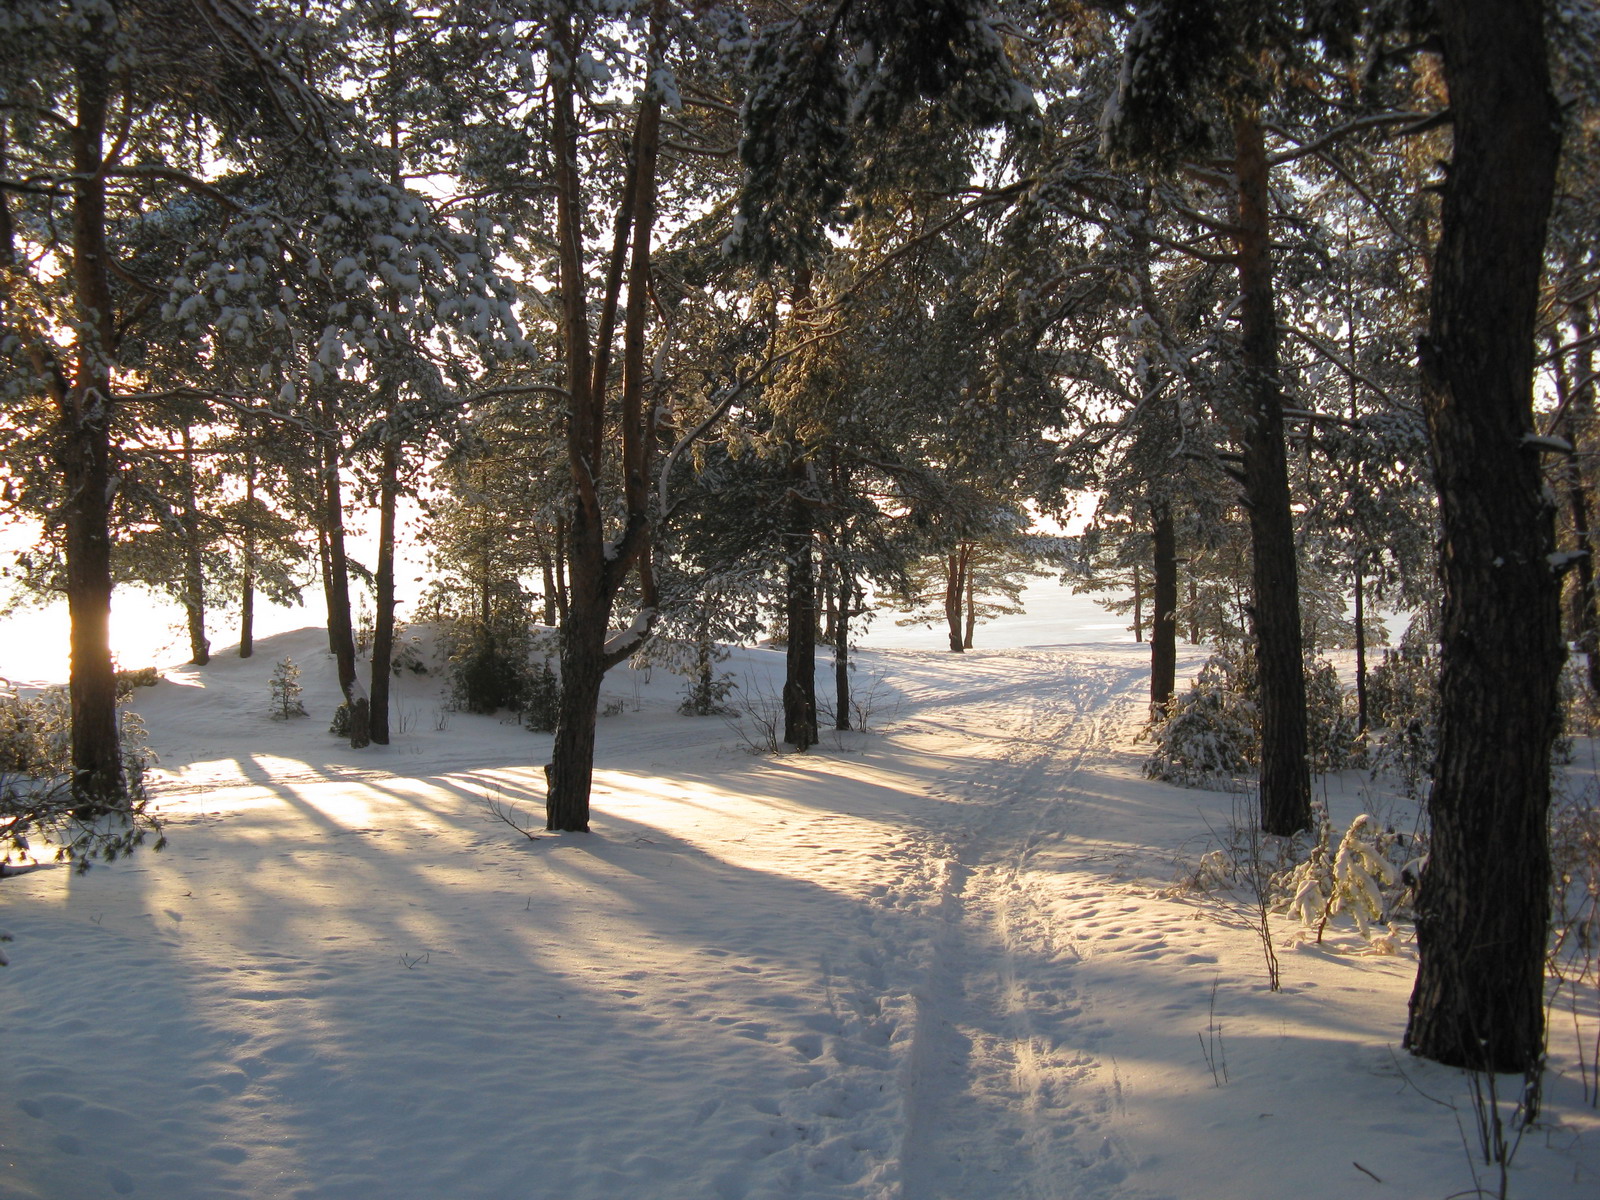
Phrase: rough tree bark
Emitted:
{"points": [[1483, 911], [84, 454], [1138, 604], [1361, 648], [597, 568], [1275, 605], [383, 595], [336, 587], [972, 610], [846, 589], [1164, 620], [247, 585], [800, 615], [194, 576]]}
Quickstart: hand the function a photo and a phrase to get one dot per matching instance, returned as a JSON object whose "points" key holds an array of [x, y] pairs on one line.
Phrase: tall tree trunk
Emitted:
{"points": [[336, 586], [841, 650], [1361, 648], [800, 615], [830, 604], [548, 596], [194, 578], [583, 626], [85, 456], [247, 585], [1138, 604], [1275, 607], [583, 638], [972, 607], [563, 590], [1483, 910], [1588, 630], [383, 595], [1194, 613], [1164, 620]]}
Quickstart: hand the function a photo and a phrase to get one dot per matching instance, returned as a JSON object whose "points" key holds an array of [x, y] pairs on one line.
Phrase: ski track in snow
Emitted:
{"points": [[899, 968], [998, 1078]]}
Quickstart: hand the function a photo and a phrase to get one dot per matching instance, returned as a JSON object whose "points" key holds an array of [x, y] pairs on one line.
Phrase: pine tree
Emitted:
{"points": [[1483, 910], [204, 94], [285, 685]]}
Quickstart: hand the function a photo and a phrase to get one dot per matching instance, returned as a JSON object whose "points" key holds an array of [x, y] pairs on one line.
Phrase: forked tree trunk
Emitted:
{"points": [[1483, 910], [1164, 620], [85, 458], [955, 592], [1275, 607], [598, 569]]}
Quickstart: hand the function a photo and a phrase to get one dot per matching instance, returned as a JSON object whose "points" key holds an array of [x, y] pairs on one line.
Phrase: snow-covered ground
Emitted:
{"points": [[942, 960]]}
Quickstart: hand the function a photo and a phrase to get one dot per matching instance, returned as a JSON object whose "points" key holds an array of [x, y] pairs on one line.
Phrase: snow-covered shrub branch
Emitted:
{"points": [[36, 798]]}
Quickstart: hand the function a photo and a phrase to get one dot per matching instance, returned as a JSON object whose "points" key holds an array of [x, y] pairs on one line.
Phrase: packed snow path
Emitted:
{"points": [[939, 961]]}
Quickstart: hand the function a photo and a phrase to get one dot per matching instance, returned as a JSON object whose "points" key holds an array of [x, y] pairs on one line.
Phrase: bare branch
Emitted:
{"points": [[182, 178], [1332, 356], [1561, 351], [1334, 136]]}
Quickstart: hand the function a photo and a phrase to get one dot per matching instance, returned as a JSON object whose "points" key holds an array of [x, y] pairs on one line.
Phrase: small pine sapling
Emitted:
{"points": [[541, 699], [286, 690]]}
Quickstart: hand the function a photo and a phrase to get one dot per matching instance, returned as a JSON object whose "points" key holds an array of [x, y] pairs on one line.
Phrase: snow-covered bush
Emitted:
{"points": [[1575, 921], [1371, 876], [488, 666], [1331, 734], [141, 677], [1403, 702], [540, 703], [407, 656], [35, 733], [36, 797], [704, 695], [340, 725], [1575, 865], [1212, 731], [705, 690]]}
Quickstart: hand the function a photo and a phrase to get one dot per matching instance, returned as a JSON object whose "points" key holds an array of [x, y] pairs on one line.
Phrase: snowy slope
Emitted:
{"points": [[944, 960]]}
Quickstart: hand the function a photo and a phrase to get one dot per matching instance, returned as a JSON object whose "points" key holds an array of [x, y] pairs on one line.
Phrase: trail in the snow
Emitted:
{"points": [[1002, 1082]]}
